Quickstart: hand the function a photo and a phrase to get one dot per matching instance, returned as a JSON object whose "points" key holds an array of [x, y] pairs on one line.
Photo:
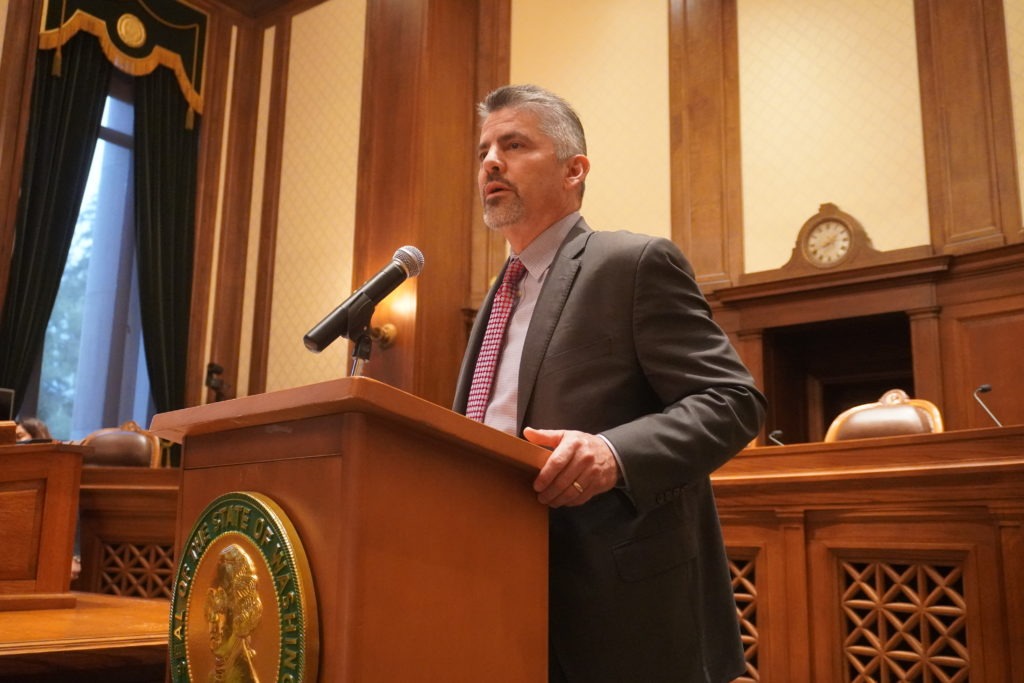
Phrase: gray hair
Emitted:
{"points": [[558, 120]]}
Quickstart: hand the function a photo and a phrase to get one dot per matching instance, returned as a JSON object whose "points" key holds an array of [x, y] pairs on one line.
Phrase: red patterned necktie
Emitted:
{"points": [[490, 349]]}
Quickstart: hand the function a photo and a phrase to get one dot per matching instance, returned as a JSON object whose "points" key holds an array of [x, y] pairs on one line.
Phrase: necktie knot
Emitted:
{"points": [[514, 272]]}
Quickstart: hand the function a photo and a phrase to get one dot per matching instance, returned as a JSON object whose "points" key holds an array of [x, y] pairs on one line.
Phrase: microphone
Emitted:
{"points": [[351, 318], [984, 389], [775, 436]]}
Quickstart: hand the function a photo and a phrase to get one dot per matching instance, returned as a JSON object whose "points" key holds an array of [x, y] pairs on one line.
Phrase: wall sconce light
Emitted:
{"points": [[384, 335]]}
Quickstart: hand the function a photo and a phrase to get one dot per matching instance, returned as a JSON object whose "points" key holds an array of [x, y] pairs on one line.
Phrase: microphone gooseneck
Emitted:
{"points": [[984, 389]]}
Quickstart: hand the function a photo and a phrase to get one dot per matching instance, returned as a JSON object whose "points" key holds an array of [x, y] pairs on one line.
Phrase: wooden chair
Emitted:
{"points": [[128, 445], [893, 414]]}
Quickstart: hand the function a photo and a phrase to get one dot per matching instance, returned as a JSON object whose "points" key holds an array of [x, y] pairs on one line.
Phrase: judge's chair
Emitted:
{"points": [[892, 415], [126, 446]]}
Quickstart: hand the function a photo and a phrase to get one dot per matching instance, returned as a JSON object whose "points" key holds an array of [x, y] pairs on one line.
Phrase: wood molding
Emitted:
{"points": [[968, 126], [707, 209], [264, 299], [20, 40], [236, 203], [212, 126], [493, 71]]}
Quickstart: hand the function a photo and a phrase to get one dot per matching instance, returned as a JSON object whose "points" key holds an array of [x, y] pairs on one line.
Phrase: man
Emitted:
{"points": [[611, 360]]}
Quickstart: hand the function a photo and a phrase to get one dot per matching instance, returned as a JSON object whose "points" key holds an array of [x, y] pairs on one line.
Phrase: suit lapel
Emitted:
{"points": [[548, 310]]}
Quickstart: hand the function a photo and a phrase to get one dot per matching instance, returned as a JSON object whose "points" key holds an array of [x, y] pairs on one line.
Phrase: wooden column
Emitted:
{"points": [[926, 351], [20, 40], [968, 124], [707, 220], [416, 181]]}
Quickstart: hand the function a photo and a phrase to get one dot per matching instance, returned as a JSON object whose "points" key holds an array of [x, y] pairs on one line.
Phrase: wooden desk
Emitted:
{"points": [[103, 638], [127, 528], [38, 504], [880, 554]]}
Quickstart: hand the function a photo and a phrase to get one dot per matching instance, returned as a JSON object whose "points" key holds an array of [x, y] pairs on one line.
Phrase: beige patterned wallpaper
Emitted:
{"points": [[313, 269], [830, 112], [1014, 11], [609, 58]]}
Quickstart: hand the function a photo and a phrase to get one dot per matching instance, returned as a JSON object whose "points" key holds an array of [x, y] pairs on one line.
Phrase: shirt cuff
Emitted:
{"points": [[622, 483]]}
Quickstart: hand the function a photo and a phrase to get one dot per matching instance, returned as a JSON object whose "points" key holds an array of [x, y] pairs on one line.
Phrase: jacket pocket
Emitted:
{"points": [[641, 558], [581, 353]]}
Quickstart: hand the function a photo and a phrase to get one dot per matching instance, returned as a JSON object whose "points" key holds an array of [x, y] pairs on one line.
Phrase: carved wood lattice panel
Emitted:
{"points": [[139, 571], [904, 621], [744, 588]]}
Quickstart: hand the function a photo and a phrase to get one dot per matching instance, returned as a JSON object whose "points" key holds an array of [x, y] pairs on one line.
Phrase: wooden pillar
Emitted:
{"points": [[927, 354], [415, 185], [969, 138], [707, 220]]}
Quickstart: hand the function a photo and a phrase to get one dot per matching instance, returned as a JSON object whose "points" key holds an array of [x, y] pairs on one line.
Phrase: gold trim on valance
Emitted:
{"points": [[128, 31]]}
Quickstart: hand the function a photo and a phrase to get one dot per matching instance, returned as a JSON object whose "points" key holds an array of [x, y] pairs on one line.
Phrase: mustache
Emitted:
{"points": [[499, 179]]}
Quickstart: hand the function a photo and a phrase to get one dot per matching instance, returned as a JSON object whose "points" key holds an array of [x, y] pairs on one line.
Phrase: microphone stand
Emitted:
{"points": [[360, 354], [358, 330]]}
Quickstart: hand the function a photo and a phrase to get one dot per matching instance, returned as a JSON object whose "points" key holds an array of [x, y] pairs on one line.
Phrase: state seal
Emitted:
{"points": [[243, 608]]}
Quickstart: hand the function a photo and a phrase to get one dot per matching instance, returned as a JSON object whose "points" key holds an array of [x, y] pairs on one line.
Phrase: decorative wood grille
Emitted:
{"points": [[904, 622], [139, 571], [744, 588]]}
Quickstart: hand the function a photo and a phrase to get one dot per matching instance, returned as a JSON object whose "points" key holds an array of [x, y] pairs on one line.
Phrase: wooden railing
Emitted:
{"points": [[880, 559], [126, 529]]}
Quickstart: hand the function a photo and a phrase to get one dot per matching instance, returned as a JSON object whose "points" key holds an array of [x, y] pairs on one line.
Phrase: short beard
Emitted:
{"points": [[503, 215]]}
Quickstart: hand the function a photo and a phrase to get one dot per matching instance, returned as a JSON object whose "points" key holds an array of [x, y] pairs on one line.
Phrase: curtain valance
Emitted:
{"points": [[136, 36]]}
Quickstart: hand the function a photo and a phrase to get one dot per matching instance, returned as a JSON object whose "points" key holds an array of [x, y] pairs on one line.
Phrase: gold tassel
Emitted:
{"points": [[190, 118], [58, 58]]}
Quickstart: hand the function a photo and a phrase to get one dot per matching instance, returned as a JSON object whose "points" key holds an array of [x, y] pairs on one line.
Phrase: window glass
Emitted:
{"points": [[93, 371]]}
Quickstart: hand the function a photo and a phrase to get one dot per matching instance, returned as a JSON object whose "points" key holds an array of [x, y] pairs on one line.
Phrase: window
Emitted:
{"points": [[92, 372]]}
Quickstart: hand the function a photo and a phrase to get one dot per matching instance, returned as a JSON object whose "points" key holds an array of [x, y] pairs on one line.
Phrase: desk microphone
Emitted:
{"points": [[351, 317], [984, 389], [775, 436]]}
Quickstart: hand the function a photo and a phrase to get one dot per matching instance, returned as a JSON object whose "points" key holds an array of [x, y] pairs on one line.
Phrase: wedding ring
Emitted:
{"points": [[578, 487]]}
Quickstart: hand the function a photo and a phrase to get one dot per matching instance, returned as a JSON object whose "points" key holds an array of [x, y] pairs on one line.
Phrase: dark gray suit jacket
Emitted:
{"points": [[622, 343]]}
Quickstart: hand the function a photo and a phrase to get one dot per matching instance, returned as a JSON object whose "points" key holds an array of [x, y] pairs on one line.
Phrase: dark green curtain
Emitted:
{"points": [[166, 154], [65, 119]]}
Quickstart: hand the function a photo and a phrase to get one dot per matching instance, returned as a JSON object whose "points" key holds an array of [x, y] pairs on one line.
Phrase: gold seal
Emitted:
{"points": [[131, 30], [243, 608]]}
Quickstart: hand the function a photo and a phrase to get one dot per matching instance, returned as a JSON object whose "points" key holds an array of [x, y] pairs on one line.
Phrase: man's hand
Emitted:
{"points": [[580, 467]]}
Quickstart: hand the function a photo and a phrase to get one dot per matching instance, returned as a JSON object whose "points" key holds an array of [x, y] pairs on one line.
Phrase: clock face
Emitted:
{"points": [[828, 243]]}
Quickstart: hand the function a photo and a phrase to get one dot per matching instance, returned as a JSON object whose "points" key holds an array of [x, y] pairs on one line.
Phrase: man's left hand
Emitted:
{"points": [[580, 466]]}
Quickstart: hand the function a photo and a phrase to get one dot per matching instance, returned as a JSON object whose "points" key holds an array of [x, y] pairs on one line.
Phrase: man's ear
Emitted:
{"points": [[576, 170]]}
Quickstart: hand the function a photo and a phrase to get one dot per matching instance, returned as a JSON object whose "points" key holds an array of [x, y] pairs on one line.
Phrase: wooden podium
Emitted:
{"points": [[427, 546]]}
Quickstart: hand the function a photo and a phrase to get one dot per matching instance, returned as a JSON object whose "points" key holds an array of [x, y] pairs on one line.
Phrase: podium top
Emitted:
{"points": [[348, 395]]}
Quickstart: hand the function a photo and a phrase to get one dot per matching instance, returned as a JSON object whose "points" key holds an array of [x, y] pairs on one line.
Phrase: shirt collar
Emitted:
{"points": [[538, 254]]}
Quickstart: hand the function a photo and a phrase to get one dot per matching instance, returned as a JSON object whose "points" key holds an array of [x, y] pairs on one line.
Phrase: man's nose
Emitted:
{"points": [[491, 162]]}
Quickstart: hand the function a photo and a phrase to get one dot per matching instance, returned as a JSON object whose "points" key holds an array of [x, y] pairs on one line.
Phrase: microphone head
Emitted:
{"points": [[411, 260], [983, 389]]}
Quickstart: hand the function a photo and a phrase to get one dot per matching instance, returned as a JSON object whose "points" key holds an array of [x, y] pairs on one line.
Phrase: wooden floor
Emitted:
{"points": [[103, 638]]}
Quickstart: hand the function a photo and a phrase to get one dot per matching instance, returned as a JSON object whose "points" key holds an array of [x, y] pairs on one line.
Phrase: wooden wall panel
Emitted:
{"points": [[707, 221], [767, 552], [984, 341], [966, 315], [969, 148]]}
